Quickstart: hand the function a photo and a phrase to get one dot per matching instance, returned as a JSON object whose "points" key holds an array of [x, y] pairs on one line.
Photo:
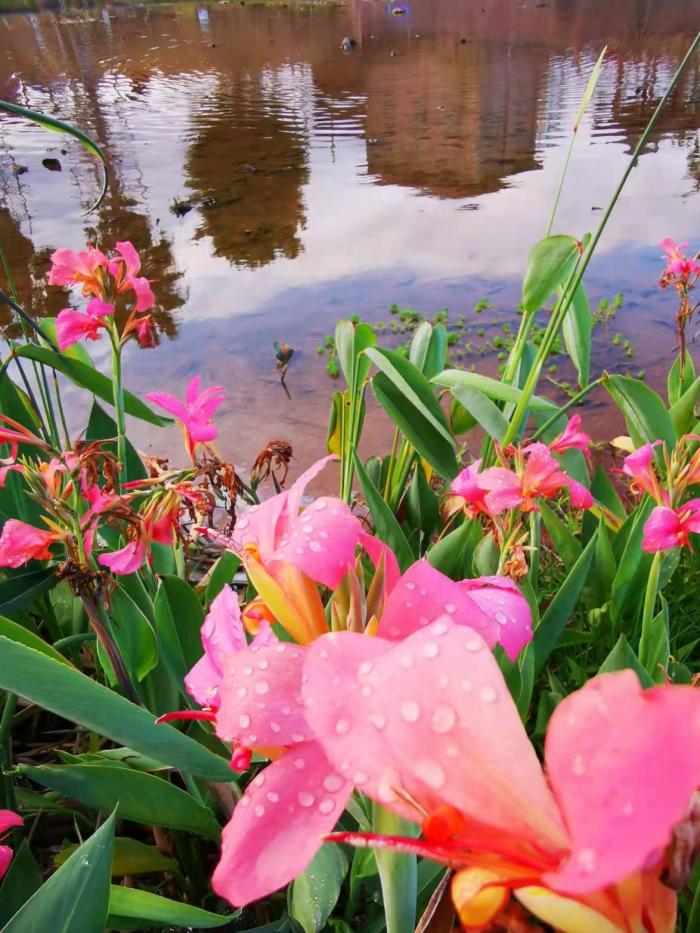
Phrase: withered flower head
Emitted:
{"points": [[277, 454]]}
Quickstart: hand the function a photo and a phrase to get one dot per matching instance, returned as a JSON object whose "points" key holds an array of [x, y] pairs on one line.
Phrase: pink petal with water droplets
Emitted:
{"points": [[279, 824], [321, 542], [661, 530], [503, 489], [430, 719], [259, 695], [580, 496], [502, 601], [423, 595], [376, 549], [623, 763]]}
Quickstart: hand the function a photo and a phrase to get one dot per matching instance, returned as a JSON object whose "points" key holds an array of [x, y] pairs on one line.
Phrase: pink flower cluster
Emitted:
{"points": [[194, 414], [8, 821], [680, 269], [104, 279], [534, 474]]}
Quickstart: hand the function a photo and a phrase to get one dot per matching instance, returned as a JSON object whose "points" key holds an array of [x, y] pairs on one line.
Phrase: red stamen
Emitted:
{"points": [[205, 714]]}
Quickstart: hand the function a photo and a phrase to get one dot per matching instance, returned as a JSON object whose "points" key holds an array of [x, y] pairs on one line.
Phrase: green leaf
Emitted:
{"points": [[140, 796], [428, 351], [385, 522], [655, 646], [18, 590], [590, 88], [453, 553], [632, 569], [78, 698], [23, 878], [152, 910], [88, 378], [621, 658], [76, 896], [675, 385], [482, 409], [350, 341], [221, 573], [420, 433], [604, 492], [397, 871], [548, 267], [316, 890], [645, 414], [683, 411], [461, 420], [102, 427], [576, 330], [179, 617], [19, 633], [58, 126], [129, 857], [133, 635], [486, 557], [492, 388], [559, 611], [421, 504], [566, 544]]}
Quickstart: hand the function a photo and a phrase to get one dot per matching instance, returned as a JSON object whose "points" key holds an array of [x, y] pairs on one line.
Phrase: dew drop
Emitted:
{"points": [[342, 727], [299, 764], [501, 618], [431, 773], [450, 607], [488, 694], [333, 783], [272, 796], [430, 650], [474, 644], [406, 661], [261, 687], [259, 810], [378, 720], [263, 664], [410, 711], [588, 860], [306, 799], [410, 586], [365, 667], [326, 806], [578, 766], [244, 720], [443, 719], [360, 777]]}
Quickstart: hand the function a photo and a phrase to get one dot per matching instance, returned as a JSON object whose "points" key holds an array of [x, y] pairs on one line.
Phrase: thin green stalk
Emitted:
{"points": [[392, 466], [574, 400], [575, 280], [397, 871], [7, 797], [652, 591], [118, 389], [560, 188], [694, 918]]}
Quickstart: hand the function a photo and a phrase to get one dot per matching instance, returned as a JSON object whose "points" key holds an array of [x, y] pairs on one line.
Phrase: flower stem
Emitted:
{"points": [[650, 595], [118, 392], [397, 872]]}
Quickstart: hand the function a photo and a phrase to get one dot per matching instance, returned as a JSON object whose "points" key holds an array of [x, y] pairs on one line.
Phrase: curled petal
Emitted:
{"points": [[20, 543], [501, 600], [125, 561], [662, 530]]}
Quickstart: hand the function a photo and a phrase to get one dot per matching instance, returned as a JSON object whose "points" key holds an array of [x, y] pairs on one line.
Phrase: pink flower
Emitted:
{"points": [[493, 606], [467, 486], [20, 543], [572, 438], [678, 264], [254, 690], [195, 413], [85, 268], [8, 820], [287, 551], [14, 434], [7, 468], [430, 725], [125, 271], [72, 326], [127, 560], [145, 332], [541, 477], [667, 528], [639, 466]]}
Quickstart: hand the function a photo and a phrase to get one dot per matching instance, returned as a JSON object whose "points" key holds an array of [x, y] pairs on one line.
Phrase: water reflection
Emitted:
{"points": [[418, 168]]}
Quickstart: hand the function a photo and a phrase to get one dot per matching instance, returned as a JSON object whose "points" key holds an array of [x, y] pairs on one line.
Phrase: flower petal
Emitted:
{"points": [[623, 763], [279, 824], [661, 530], [170, 403], [125, 561], [259, 695], [429, 720], [501, 600], [8, 820]]}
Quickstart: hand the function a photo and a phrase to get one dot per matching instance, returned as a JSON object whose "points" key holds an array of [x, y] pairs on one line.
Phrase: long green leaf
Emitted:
{"points": [[350, 341], [482, 409], [141, 797], [621, 658], [21, 589], [385, 522], [644, 412], [18, 633], [76, 897], [577, 329], [88, 378], [316, 890], [559, 610], [58, 126], [492, 388], [428, 351], [179, 618], [548, 267], [23, 878], [152, 911], [79, 699]]}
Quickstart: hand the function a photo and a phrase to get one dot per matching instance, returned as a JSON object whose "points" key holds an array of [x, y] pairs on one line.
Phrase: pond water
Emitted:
{"points": [[419, 168]]}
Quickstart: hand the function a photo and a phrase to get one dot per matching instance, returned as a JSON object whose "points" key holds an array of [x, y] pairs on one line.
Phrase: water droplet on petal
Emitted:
{"points": [[430, 650], [410, 711], [365, 667], [588, 860], [378, 720], [443, 719], [333, 783], [259, 810], [501, 618], [431, 773], [306, 799], [450, 607], [578, 766], [244, 720], [314, 546], [326, 806], [342, 726], [488, 694], [272, 796], [261, 686], [474, 644], [360, 777]]}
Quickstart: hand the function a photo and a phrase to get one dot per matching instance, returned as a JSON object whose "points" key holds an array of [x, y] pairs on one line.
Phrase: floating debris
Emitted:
{"points": [[53, 165]]}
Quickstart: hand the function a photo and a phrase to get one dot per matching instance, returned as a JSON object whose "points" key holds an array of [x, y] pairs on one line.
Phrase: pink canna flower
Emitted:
{"points": [[253, 695], [14, 434], [195, 413], [467, 486], [20, 543], [668, 528], [430, 726], [72, 326], [572, 438], [85, 268], [639, 466], [8, 820], [126, 560], [678, 265], [125, 269]]}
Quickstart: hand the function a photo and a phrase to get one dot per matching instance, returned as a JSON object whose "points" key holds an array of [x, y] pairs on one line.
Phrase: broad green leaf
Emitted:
{"points": [[644, 412], [15, 403], [566, 544], [453, 553], [655, 646], [413, 385], [676, 386], [221, 574], [486, 557], [604, 492], [78, 698], [559, 611], [482, 409], [428, 351], [576, 330], [492, 388], [621, 658], [335, 421], [23, 878], [90, 379], [152, 911], [19, 633], [133, 635], [141, 797], [602, 576], [420, 433], [548, 267], [179, 617], [461, 420], [350, 341], [421, 504], [129, 857], [21, 588], [58, 126], [102, 427], [632, 570], [76, 896], [316, 890], [397, 871], [683, 411], [385, 522]]}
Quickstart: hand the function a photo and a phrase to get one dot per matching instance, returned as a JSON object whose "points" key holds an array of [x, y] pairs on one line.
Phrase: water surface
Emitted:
{"points": [[420, 169]]}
